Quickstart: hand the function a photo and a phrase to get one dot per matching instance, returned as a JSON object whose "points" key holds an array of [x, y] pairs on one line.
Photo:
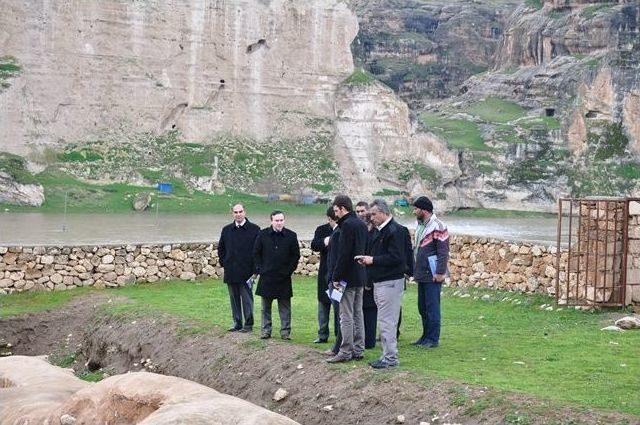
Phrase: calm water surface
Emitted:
{"points": [[76, 229]]}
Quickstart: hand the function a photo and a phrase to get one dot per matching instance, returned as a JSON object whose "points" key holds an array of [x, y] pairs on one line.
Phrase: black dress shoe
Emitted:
{"points": [[233, 329], [265, 336], [429, 345], [245, 330], [319, 341]]}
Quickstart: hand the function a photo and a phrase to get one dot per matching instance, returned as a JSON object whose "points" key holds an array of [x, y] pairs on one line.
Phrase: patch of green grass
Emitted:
{"points": [[590, 12], [629, 171], [9, 68], [65, 360], [496, 110], [388, 192], [91, 376], [536, 4], [16, 167], [81, 155], [458, 133], [550, 123], [118, 198], [323, 188], [560, 356], [498, 213], [359, 77], [33, 302]]}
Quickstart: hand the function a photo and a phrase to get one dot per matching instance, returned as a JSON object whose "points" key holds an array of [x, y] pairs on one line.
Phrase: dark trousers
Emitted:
{"points": [[336, 311], [284, 310], [324, 312], [370, 326], [241, 298], [429, 308]]}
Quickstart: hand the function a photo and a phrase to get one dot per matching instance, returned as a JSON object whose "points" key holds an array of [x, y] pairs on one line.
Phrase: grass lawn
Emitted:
{"points": [[458, 133], [509, 345], [118, 198], [497, 110]]}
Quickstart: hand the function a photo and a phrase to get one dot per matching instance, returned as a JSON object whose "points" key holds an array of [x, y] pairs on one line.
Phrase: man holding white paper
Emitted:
{"points": [[432, 257]]}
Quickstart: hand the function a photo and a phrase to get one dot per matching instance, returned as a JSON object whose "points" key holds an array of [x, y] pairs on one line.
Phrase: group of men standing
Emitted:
{"points": [[365, 259]]}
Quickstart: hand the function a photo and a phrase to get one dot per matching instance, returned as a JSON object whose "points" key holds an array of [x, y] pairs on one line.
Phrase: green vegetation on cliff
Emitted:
{"points": [[82, 197], [16, 167], [458, 133], [359, 77], [9, 68]]}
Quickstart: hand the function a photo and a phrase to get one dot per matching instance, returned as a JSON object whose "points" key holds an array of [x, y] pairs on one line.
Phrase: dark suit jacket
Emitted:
{"points": [[387, 247], [317, 244], [353, 241], [235, 251], [276, 256]]}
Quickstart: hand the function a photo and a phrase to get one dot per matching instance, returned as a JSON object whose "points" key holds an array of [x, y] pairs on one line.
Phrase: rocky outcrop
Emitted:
{"points": [[14, 192], [34, 391], [425, 49], [199, 67], [380, 149]]}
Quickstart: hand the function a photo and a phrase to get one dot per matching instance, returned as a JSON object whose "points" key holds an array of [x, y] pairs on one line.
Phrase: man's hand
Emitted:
{"points": [[366, 260], [254, 277], [337, 285], [326, 240], [438, 278]]}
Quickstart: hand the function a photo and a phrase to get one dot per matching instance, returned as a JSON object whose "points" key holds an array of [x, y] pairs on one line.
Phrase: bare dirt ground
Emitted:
{"points": [[246, 367]]}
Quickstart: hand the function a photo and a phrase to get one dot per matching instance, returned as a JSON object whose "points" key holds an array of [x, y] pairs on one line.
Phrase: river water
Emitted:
{"points": [[88, 229]]}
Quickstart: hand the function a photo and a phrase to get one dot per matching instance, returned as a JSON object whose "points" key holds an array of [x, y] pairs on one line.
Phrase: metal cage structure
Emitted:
{"points": [[593, 251]]}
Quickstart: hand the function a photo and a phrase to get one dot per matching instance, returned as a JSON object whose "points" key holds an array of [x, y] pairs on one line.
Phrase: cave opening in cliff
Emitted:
{"points": [[592, 114], [257, 45], [550, 112]]}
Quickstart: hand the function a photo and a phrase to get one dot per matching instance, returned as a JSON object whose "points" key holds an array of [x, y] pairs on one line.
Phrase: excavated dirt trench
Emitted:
{"points": [[246, 367]]}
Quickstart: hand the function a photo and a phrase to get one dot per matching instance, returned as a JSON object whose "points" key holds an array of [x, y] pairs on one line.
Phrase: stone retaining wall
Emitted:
{"points": [[474, 262]]}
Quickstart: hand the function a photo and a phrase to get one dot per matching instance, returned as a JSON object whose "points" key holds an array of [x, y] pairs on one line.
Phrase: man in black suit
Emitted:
{"points": [[320, 243], [387, 264], [349, 277], [235, 251], [275, 256]]}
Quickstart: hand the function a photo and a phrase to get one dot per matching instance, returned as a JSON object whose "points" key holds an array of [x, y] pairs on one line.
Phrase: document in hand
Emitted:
{"points": [[336, 294], [249, 283], [433, 264]]}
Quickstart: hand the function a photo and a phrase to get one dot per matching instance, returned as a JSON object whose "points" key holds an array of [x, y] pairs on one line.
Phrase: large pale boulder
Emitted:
{"points": [[34, 391], [31, 388]]}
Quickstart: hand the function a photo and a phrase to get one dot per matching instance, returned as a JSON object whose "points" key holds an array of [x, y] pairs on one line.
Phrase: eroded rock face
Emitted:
{"points": [[379, 148], [42, 393], [199, 67], [13, 192]]}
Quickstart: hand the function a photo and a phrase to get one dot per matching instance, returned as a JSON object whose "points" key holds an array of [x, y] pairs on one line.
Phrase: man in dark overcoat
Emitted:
{"points": [[235, 253], [349, 277], [320, 244], [276, 254]]}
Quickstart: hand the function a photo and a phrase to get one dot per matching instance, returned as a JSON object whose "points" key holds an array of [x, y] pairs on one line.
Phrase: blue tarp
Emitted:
{"points": [[165, 187]]}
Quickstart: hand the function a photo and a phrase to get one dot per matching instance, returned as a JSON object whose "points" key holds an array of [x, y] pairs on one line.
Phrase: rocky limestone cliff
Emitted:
{"points": [[569, 73], [425, 49], [381, 152], [13, 192], [200, 67]]}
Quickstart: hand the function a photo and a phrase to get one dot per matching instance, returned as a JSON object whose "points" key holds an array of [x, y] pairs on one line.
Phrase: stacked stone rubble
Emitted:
{"points": [[475, 262], [60, 268], [482, 262]]}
